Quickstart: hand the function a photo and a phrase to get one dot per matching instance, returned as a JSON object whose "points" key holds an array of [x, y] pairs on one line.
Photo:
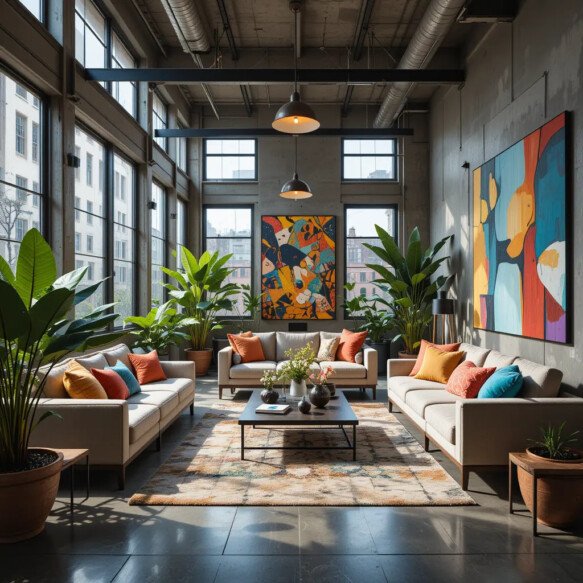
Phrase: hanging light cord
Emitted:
{"points": [[296, 154], [295, 49]]}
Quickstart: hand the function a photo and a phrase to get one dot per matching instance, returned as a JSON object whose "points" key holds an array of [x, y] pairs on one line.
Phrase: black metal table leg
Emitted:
{"points": [[354, 442], [72, 483], [87, 477], [242, 442]]}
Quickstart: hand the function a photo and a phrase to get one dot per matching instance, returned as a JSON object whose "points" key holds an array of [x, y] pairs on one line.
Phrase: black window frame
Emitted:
{"points": [[394, 156], [205, 154]]}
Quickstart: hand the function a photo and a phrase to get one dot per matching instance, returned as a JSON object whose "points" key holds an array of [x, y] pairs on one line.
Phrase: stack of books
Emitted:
{"points": [[273, 409]]}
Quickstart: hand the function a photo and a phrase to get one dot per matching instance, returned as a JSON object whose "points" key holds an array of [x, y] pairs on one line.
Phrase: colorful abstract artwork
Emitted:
{"points": [[298, 267], [520, 238]]}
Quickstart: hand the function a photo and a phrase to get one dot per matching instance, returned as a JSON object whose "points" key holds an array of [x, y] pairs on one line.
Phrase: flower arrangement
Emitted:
{"points": [[321, 378], [297, 368], [269, 379]]}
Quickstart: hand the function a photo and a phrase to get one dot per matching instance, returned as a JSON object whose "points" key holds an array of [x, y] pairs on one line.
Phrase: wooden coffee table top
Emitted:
{"points": [[71, 456], [337, 412], [542, 467]]}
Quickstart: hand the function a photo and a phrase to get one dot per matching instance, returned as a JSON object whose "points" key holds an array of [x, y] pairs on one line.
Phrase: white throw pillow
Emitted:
{"points": [[328, 348], [359, 357]]}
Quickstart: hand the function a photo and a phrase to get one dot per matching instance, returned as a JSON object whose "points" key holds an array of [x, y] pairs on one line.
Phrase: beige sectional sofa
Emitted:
{"points": [[115, 431], [478, 433], [276, 344]]}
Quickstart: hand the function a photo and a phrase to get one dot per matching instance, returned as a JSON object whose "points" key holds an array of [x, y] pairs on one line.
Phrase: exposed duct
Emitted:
{"points": [[188, 25], [434, 25]]}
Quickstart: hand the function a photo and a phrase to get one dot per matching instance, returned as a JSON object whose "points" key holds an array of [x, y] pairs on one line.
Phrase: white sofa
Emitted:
{"points": [[115, 431], [479, 433], [276, 344]]}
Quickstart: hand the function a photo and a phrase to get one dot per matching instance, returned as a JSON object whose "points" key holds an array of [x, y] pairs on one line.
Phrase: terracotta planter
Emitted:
{"points": [[403, 354], [202, 360], [559, 499], [26, 498]]}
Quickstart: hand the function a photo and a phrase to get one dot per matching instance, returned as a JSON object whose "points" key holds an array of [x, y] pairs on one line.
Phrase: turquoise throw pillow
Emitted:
{"points": [[127, 376], [506, 382]]}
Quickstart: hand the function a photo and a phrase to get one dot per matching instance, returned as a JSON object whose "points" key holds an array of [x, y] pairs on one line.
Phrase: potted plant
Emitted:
{"points": [[202, 291], [36, 331], [251, 305], [297, 369], [408, 282], [159, 329], [559, 501]]}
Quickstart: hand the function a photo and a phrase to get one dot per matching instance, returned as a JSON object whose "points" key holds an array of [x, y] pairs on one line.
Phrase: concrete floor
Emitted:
{"points": [[107, 540]]}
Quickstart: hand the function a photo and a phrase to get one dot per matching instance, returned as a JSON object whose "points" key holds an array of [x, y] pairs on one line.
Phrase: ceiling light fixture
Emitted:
{"points": [[295, 189], [295, 117]]}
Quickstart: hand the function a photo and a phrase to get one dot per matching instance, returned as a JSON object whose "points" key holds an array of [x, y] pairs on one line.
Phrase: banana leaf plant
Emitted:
{"points": [[203, 291], [408, 282], [251, 306], [37, 330]]}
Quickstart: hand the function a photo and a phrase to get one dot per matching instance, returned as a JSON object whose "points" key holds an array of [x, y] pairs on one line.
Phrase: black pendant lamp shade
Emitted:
{"points": [[295, 189], [442, 305], [295, 117]]}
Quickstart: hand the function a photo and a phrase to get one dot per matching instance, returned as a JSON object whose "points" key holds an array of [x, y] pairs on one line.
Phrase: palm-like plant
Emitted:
{"points": [[376, 321], [408, 281], [35, 331], [251, 304]]}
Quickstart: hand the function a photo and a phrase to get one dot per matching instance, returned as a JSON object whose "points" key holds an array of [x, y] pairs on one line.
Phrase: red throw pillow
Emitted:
{"points": [[467, 380], [424, 344], [147, 366], [250, 349], [350, 344], [112, 383], [230, 337]]}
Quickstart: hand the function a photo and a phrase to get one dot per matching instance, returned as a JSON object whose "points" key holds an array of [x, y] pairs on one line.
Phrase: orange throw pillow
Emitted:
{"points": [[230, 337], [467, 380], [81, 384], [424, 345], [249, 348], [112, 383], [438, 365], [350, 345], [147, 366]]}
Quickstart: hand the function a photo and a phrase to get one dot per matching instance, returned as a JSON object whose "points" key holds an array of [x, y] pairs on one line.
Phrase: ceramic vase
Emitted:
{"points": [[298, 389], [269, 396], [304, 406], [319, 396]]}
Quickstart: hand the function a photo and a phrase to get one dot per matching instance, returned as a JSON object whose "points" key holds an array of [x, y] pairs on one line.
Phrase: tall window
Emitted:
{"points": [[369, 160], [35, 6], [181, 228], [35, 138], [90, 34], [229, 230], [158, 242], [360, 224], [226, 160], [159, 119], [21, 187], [125, 93], [89, 169], [181, 151]]}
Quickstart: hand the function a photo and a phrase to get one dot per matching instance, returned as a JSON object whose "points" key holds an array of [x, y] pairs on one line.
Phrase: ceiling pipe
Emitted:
{"points": [[431, 31]]}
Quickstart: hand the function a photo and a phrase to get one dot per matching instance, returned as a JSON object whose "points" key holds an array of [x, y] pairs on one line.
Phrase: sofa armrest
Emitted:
{"points": [[99, 425], [179, 369], [487, 430], [225, 358], [371, 363], [400, 367]]}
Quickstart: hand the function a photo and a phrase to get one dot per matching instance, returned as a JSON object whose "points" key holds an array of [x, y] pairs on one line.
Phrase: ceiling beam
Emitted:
{"points": [[274, 76], [270, 132]]}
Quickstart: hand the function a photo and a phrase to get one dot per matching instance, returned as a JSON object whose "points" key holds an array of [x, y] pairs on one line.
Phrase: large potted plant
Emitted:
{"points": [[203, 291], [35, 331], [408, 281]]}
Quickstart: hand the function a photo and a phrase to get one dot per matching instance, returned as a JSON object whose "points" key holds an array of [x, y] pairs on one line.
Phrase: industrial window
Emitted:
{"points": [[230, 160], [125, 92], [364, 160], [36, 7], [159, 119], [181, 229], [159, 243], [229, 230]]}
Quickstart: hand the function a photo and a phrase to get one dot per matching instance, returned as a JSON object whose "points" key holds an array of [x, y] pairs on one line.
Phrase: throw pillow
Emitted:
{"points": [[236, 358], [359, 358], [81, 384], [505, 383], [127, 376], [148, 368], [112, 383], [438, 365], [467, 380], [424, 344], [350, 344], [230, 337], [328, 348], [249, 348]]}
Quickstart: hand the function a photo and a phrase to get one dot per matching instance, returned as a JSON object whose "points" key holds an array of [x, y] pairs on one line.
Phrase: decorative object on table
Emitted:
{"points": [[444, 307], [298, 267], [272, 408], [202, 291], [304, 406], [269, 394], [35, 331], [320, 394], [297, 369], [406, 280], [559, 500], [522, 274]]}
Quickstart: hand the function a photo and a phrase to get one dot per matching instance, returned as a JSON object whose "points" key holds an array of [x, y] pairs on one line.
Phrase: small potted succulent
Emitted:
{"points": [[269, 379], [320, 393], [297, 369]]}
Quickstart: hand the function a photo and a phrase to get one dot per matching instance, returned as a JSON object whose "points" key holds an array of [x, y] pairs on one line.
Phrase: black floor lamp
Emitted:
{"points": [[444, 307]]}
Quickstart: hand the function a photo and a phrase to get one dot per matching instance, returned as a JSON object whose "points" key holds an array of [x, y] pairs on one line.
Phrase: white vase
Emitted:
{"points": [[298, 390]]}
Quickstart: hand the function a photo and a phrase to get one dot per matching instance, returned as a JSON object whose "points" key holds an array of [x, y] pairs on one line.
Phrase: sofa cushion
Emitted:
{"points": [[400, 386], [268, 344], [182, 387], [166, 401], [438, 365], [141, 419], [467, 379], [249, 348], [350, 345], [475, 354], [421, 356], [81, 384], [119, 352], [420, 400], [441, 418], [53, 387], [293, 341], [147, 367], [112, 383], [314, 367], [539, 380], [251, 370], [344, 370], [328, 348], [92, 361], [498, 360], [505, 383], [128, 377]]}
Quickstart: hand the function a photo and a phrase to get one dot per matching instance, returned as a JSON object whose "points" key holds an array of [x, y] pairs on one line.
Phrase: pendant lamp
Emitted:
{"points": [[295, 117], [295, 189]]}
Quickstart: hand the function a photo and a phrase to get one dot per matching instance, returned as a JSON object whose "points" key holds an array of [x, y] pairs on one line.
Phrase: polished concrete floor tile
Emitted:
{"points": [[334, 568], [171, 569], [417, 568], [259, 569]]}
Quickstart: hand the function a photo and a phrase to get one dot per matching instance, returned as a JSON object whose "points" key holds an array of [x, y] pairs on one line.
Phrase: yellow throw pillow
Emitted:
{"points": [[438, 365], [81, 384]]}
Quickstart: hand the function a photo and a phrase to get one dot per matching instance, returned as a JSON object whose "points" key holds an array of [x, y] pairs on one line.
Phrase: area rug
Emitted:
{"points": [[392, 469]]}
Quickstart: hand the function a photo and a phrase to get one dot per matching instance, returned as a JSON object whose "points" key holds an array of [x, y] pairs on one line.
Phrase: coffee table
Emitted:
{"points": [[337, 414]]}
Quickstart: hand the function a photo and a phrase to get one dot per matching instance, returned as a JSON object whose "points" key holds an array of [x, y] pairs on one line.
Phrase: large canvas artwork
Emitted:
{"points": [[298, 267], [520, 238]]}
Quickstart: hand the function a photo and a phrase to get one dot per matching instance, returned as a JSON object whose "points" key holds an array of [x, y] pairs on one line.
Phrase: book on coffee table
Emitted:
{"points": [[274, 409]]}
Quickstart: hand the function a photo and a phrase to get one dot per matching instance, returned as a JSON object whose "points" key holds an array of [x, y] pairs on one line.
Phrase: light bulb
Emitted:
{"points": [[296, 120]]}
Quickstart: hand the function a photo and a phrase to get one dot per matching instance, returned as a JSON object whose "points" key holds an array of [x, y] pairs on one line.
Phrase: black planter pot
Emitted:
{"points": [[382, 349]]}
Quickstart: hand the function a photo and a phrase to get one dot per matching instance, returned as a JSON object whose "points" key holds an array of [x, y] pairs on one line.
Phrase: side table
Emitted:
{"points": [[70, 458]]}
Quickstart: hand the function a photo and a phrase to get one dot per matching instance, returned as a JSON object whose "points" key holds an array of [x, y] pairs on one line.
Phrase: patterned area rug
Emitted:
{"points": [[392, 469]]}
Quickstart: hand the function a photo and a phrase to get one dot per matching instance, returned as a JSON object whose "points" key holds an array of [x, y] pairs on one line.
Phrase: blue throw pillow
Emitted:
{"points": [[506, 382], [127, 376]]}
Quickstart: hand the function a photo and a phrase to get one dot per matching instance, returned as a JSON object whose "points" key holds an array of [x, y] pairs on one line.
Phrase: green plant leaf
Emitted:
{"points": [[5, 271], [87, 292], [47, 311], [70, 280], [14, 317], [418, 278]]}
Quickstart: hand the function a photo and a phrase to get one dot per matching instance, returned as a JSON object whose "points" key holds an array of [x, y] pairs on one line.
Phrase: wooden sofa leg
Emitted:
{"points": [[374, 393], [390, 406], [192, 409], [220, 392], [426, 443], [159, 443], [465, 475], [121, 477]]}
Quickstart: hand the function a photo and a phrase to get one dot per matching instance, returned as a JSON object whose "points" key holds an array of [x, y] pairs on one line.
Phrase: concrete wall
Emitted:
{"points": [[519, 76]]}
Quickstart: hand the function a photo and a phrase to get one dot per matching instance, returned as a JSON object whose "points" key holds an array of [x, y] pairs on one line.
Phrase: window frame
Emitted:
{"points": [[164, 239], [42, 11], [205, 154], [394, 156], [156, 95]]}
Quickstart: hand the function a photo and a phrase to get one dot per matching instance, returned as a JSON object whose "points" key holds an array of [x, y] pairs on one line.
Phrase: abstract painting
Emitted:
{"points": [[298, 267], [521, 242]]}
